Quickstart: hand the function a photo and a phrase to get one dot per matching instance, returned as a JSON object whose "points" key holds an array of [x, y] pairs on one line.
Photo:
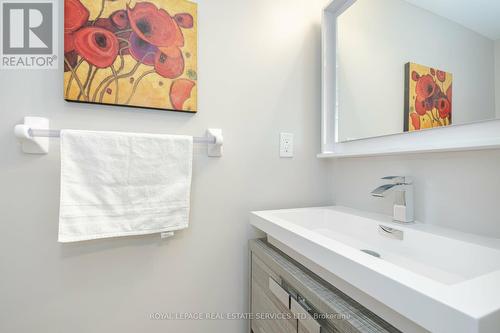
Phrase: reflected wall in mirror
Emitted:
{"points": [[406, 65]]}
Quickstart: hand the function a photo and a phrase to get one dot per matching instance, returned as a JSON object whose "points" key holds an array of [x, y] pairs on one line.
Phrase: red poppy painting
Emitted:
{"points": [[428, 98], [131, 53]]}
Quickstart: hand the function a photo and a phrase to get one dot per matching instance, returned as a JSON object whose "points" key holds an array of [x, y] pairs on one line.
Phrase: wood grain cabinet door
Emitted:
{"points": [[270, 303], [306, 323]]}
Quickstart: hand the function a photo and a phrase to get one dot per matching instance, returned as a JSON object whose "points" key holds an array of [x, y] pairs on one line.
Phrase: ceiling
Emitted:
{"points": [[481, 16]]}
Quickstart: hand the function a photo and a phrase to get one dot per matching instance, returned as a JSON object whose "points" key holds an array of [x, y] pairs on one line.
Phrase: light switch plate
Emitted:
{"points": [[286, 145]]}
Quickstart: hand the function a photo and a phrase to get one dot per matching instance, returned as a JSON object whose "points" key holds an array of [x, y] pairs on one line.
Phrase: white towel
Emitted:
{"points": [[122, 184]]}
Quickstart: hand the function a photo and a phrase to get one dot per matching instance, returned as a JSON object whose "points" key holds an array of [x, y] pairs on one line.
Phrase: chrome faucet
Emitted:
{"points": [[403, 203]]}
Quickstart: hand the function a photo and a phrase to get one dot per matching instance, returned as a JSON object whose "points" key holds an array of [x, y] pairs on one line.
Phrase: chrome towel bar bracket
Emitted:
{"points": [[35, 132]]}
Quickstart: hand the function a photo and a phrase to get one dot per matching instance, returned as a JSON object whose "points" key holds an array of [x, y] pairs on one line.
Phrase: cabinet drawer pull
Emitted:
{"points": [[280, 293], [305, 319]]}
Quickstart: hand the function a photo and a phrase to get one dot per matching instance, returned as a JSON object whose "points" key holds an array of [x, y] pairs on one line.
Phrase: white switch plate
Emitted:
{"points": [[286, 145]]}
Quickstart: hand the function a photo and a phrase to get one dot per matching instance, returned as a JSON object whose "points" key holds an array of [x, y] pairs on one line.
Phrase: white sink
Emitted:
{"points": [[443, 280]]}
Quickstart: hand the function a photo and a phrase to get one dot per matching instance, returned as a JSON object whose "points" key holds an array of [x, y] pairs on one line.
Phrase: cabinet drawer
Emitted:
{"points": [[280, 293], [307, 324], [270, 303]]}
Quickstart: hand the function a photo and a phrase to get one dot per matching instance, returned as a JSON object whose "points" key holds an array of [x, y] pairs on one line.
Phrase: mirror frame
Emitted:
{"points": [[472, 136]]}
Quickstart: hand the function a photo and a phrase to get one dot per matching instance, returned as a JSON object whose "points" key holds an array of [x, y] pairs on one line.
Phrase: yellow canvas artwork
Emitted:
{"points": [[428, 98], [131, 53]]}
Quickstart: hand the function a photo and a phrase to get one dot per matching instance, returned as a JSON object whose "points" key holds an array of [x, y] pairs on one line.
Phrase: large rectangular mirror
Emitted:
{"points": [[413, 65]]}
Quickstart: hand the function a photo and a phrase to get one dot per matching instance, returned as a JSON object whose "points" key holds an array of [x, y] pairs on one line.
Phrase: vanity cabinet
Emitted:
{"points": [[270, 302], [286, 297]]}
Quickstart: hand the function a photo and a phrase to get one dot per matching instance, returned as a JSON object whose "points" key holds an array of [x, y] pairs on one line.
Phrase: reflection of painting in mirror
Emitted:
{"points": [[375, 38], [428, 97]]}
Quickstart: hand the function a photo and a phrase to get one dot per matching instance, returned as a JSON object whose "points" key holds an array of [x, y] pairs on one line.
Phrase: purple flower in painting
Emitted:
{"points": [[141, 50], [120, 19]]}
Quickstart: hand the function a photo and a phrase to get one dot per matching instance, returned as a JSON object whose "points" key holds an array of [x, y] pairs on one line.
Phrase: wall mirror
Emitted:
{"points": [[410, 75]]}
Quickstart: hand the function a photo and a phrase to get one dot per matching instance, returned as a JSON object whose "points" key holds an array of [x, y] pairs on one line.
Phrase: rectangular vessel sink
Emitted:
{"points": [[443, 280]]}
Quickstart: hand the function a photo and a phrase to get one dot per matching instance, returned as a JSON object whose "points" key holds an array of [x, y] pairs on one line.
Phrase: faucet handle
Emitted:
{"points": [[404, 180]]}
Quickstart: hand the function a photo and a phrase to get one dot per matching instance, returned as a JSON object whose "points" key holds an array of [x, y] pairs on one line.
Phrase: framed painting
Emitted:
{"points": [[131, 53], [428, 98]]}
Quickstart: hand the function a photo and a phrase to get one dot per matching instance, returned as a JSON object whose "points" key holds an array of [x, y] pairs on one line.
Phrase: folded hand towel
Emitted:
{"points": [[122, 184]]}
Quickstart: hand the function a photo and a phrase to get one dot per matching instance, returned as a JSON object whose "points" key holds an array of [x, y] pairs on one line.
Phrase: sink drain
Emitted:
{"points": [[372, 253]]}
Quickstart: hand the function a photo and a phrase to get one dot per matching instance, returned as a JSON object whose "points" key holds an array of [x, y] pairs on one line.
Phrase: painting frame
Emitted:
{"points": [[155, 68]]}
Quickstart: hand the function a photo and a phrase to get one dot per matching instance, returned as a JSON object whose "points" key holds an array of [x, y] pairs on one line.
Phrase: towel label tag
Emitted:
{"points": [[164, 235]]}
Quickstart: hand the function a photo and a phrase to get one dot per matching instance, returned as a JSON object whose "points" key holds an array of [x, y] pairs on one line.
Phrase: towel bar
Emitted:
{"points": [[34, 136]]}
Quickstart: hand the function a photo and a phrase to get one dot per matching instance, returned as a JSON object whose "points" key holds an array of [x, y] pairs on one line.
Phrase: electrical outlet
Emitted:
{"points": [[286, 145]]}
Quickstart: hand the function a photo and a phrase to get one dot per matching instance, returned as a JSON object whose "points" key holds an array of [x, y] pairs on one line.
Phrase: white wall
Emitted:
{"points": [[371, 63], [259, 70], [497, 77], [456, 190]]}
